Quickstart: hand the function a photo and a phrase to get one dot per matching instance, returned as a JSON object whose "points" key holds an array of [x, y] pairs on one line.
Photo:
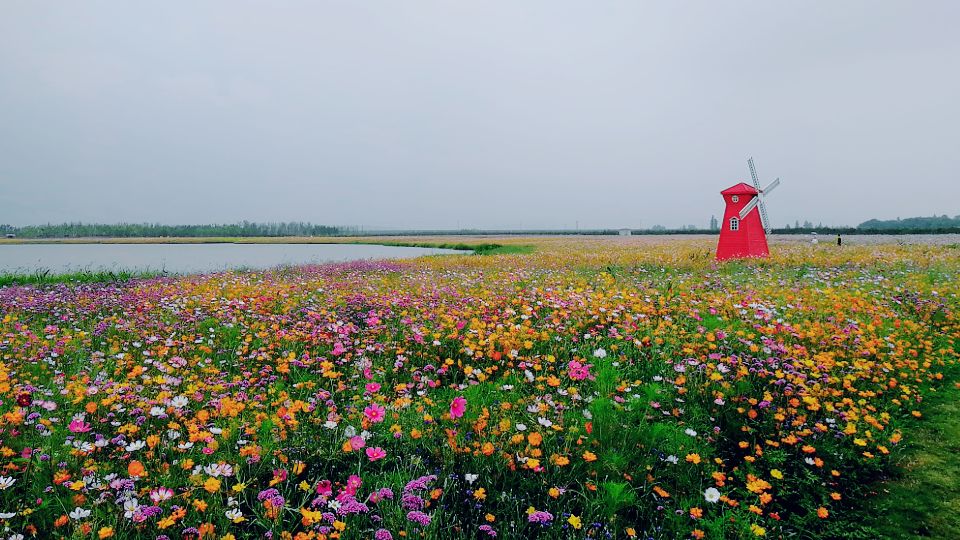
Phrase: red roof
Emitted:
{"points": [[739, 189]]}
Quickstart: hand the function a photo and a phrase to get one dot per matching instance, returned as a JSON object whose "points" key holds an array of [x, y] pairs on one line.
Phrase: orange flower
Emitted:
{"points": [[693, 458], [589, 456], [136, 469], [823, 513]]}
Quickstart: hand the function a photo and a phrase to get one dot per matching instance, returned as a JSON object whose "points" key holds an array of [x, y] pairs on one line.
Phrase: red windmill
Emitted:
{"points": [[743, 231]]}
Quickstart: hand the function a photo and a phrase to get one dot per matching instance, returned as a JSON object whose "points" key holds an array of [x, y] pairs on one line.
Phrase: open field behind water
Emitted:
{"points": [[597, 387]]}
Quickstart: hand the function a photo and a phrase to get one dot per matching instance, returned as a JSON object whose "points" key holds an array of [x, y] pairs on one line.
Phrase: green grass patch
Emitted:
{"points": [[923, 499], [46, 277], [477, 249]]}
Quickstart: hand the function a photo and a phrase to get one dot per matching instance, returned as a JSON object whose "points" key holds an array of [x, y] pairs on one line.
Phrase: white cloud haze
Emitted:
{"points": [[476, 114]]}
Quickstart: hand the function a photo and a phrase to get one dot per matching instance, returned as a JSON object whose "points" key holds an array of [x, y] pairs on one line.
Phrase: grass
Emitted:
{"points": [[478, 249], [46, 277], [923, 500]]}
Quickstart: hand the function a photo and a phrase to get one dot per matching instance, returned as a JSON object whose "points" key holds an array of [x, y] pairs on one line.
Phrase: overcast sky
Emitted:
{"points": [[513, 114]]}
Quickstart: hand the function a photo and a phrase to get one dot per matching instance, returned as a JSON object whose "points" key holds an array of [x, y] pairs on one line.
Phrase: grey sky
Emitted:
{"points": [[476, 114]]}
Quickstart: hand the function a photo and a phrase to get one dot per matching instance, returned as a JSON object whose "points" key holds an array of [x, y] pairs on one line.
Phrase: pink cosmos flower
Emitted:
{"points": [[357, 442], [353, 484], [578, 371], [373, 387], [376, 453], [375, 413], [161, 494], [79, 426], [458, 407]]}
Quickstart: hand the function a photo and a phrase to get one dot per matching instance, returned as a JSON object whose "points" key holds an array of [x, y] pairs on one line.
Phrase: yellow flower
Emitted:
{"points": [[554, 492], [237, 488], [480, 494], [105, 532], [757, 530], [589, 456], [693, 458], [575, 522], [212, 485]]}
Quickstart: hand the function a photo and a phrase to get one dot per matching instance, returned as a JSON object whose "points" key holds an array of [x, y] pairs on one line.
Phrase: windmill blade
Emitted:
{"points": [[753, 174], [764, 220], [768, 189], [750, 206]]}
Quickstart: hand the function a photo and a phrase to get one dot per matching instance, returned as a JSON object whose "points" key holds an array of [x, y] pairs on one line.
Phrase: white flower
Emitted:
{"points": [[179, 402], [471, 478], [156, 410], [690, 432], [79, 513], [544, 422], [185, 445], [521, 427], [135, 445], [218, 469], [7, 515], [234, 515], [330, 424], [672, 459], [712, 495], [130, 508], [7, 481], [600, 353], [809, 461]]}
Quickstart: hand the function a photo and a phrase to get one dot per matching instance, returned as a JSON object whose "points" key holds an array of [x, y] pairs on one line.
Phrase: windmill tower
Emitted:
{"points": [[743, 232]]}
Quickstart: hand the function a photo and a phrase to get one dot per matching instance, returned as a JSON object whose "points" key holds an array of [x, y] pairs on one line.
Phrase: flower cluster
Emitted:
{"points": [[611, 387]]}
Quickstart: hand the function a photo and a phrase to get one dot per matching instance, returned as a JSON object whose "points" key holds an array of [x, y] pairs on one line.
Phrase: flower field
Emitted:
{"points": [[596, 388]]}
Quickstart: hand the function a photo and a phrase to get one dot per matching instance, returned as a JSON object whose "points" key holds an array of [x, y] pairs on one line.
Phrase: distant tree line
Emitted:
{"points": [[921, 223], [145, 230]]}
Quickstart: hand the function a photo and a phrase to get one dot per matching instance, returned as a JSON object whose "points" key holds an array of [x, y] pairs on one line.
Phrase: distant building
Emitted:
{"points": [[714, 224], [625, 232]]}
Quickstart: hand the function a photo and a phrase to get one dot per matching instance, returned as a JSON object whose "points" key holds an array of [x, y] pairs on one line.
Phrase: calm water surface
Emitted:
{"points": [[189, 258]]}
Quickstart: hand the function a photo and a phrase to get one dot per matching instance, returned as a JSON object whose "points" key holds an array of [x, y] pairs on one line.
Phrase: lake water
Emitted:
{"points": [[189, 258]]}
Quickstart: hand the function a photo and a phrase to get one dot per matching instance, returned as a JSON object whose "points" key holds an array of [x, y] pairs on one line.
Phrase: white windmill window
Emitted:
{"points": [[735, 198], [734, 223]]}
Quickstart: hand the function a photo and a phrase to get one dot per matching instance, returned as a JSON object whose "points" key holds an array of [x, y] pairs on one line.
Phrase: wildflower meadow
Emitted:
{"points": [[582, 388]]}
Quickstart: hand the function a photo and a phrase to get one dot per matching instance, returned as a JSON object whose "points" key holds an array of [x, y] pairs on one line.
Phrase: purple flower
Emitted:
{"points": [[540, 517], [489, 530], [420, 484], [419, 517], [411, 502], [382, 534]]}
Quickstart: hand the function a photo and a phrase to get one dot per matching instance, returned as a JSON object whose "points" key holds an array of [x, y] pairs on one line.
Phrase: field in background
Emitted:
{"points": [[581, 387]]}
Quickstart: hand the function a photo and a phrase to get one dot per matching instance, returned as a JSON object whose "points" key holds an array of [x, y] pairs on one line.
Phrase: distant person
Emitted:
{"points": [[839, 242]]}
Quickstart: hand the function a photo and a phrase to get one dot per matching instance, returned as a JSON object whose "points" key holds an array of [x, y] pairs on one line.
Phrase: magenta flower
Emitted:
{"points": [[375, 413], [458, 407], [79, 426], [376, 453], [357, 442]]}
